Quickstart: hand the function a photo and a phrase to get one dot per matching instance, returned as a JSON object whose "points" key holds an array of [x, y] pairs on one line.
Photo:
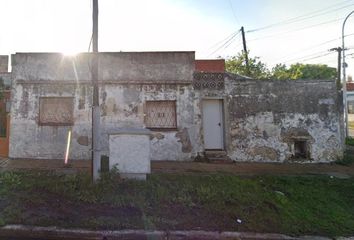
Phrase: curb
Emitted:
{"points": [[54, 233]]}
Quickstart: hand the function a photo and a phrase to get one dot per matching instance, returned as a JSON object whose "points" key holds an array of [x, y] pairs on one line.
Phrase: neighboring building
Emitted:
{"points": [[350, 97], [5, 84], [190, 105]]}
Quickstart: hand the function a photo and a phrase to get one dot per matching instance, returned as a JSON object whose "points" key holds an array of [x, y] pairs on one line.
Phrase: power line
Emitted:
{"points": [[312, 56], [306, 56], [302, 17], [312, 47], [225, 39], [295, 30], [323, 55], [233, 12], [226, 43]]}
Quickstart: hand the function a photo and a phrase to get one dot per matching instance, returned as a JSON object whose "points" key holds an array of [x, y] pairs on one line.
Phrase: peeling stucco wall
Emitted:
{"points": [[123, 107], [127, 80], [262, 119], [266, 118]]}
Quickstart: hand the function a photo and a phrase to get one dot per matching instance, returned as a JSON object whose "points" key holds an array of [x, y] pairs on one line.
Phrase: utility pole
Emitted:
{"points": [[96, 155], [344, 65], [245, 50], [339, 50]]}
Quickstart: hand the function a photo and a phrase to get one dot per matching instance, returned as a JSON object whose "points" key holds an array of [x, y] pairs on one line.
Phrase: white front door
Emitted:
{"points": [[213, 124]]}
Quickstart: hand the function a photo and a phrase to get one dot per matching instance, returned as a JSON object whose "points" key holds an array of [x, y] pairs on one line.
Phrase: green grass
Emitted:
{"points": [[347, 160], [290, 205]]}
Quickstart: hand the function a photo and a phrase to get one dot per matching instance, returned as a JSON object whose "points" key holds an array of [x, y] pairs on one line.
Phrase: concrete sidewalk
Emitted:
{"points": [[175, 167]]}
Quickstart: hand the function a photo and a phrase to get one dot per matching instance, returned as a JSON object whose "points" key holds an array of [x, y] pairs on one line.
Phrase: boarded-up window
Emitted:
{"points": [[56, 111], [161, 114]]}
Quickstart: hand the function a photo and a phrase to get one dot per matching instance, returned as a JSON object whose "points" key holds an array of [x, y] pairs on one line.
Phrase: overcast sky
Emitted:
{"points": [[277, 31]]}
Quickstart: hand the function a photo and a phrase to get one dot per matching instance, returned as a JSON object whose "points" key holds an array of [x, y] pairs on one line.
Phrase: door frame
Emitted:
{"points": [[222, 115]]}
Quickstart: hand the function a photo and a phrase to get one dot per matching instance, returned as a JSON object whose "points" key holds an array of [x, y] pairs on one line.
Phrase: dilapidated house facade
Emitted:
{"points": [[191, 106]]}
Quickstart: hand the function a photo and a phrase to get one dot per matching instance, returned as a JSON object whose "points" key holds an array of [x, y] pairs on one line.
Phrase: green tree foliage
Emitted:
{"points": [[259, 70], [303, 71]]}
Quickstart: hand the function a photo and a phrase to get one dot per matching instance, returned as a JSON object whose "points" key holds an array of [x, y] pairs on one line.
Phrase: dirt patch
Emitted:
{"points": [[53, 208], [251, 168]]}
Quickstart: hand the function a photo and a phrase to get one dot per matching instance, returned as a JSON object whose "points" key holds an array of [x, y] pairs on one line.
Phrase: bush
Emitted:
{"points": [[349, 141]]}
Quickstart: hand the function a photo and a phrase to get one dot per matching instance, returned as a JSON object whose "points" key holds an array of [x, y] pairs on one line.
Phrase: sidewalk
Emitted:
{"points": [[193, 167]]}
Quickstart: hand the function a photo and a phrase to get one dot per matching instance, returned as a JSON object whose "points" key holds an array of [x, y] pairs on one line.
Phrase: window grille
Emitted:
{"points": [[56, 111], [161, 114]]}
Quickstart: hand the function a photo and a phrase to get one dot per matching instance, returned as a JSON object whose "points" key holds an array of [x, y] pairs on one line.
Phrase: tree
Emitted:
{"points": [[280, 72], [259, 70], [237, 65], [313, 71]]}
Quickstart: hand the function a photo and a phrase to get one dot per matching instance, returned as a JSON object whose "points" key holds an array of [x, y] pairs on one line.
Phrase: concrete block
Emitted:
{"points": [[129, 150]]}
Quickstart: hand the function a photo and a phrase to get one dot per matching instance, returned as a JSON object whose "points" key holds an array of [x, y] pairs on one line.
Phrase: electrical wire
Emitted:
{"points": [[295, 30], [226, 43], [225, 39], [302, 17], [312, 47], [306, 56], [233, 13], [323, 55]]}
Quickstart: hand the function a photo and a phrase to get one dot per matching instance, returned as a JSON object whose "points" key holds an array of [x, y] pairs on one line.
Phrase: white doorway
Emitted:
{"points": [[213, 124]]}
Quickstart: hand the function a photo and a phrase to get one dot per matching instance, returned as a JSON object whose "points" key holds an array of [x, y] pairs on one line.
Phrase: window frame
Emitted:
{"points": [[69, 123], [160, 128]]}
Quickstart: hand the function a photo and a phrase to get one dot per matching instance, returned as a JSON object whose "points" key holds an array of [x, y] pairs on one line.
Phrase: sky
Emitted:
{"points": [[277, 31]]}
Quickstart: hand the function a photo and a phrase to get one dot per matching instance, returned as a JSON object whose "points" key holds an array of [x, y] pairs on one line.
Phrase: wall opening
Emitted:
{"points": [[301, 149]]}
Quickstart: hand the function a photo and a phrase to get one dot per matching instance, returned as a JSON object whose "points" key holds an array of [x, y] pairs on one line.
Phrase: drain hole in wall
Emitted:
{"points": [[300, 149]]}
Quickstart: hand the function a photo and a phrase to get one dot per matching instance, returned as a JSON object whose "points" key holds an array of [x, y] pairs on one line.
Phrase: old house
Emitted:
{"points": [[191, 106], [5, 83]]}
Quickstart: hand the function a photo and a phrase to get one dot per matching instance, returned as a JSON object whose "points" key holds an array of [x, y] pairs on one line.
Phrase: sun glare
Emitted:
{"points": [[70, 54]]}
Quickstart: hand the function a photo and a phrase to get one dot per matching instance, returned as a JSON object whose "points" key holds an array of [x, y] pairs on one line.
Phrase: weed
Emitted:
{"points": [[347, 160], [292, 205], [349, 141], [10, 180]]}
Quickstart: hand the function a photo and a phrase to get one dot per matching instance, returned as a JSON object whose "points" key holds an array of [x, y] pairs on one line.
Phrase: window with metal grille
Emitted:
{"points": [[56, 111], [160, 114]]}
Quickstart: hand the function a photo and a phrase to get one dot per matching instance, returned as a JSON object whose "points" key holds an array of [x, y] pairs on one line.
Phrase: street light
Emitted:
{"points": [[344, 77]]}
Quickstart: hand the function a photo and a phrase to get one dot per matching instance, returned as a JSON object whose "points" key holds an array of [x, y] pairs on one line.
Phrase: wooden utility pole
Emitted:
{"points": [[339, 50], [245, 50], [96, 155]]}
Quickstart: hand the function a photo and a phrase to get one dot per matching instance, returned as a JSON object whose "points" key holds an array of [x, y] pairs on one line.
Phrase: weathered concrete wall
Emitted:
{"points": [[266, 118], [29, 139], [4, 63], [6, 79], [127, 81], [123, 107], [263, 120], [119, 66]]}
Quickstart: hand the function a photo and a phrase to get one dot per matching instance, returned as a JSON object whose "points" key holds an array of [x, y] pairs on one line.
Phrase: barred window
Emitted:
{"points": [[56, 111], [160, 114]]}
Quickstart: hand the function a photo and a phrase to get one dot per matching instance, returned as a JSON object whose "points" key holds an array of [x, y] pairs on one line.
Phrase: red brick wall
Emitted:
{"points": [[214, 65], [350, 86]]}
